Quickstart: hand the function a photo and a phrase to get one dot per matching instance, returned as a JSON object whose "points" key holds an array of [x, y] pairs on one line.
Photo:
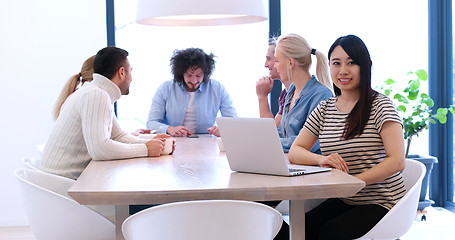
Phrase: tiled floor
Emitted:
{"points": [[440, 225]]}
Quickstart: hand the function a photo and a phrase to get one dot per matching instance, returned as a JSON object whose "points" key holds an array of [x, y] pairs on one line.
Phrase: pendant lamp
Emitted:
{"points": [[200, 12]]}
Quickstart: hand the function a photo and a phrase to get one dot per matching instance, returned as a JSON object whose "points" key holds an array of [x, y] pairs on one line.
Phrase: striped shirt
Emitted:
{"points": [[361, 152]]}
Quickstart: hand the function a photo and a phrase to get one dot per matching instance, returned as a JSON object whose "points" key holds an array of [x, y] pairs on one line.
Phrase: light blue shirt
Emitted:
{"points": [[293, 120], [171, 101]]}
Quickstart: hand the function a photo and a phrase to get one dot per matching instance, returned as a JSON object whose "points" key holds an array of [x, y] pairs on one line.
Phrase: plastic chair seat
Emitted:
{"points": [[204, 220], [54, 215], [400, 218]]}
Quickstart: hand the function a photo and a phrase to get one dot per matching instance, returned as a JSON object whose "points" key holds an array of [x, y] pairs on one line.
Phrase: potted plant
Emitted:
{"points": [[417, 113]]}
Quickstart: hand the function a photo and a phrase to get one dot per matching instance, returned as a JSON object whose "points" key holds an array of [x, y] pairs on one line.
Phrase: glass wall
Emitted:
{"points": [[395, 32], [240, 51]]}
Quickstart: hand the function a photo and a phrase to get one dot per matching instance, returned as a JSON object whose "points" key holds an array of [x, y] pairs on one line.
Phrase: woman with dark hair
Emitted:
{"points": [[191, 101], [360, 133]]}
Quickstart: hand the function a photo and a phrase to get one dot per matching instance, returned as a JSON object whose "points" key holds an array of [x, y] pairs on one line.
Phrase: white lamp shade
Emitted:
{"points": [[200, 12]]}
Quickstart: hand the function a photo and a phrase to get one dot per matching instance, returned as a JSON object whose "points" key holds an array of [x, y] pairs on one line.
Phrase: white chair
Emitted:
{"points": [[52, 214], [31, 163], [399, 219], [204, 220], [40, 148]]}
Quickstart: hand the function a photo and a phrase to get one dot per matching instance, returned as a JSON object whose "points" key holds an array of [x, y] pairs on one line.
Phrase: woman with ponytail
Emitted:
{"points": [[73, 83], [294, 57]]}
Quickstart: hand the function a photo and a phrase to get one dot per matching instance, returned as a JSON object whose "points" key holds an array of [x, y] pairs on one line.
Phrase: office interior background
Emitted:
{"points": [[45, 42]]}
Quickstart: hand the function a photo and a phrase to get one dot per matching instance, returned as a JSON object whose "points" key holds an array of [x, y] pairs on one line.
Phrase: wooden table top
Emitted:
{"points": [[197, 171]]}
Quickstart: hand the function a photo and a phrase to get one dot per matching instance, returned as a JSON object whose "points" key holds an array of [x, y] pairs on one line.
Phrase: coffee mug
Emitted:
{"points": [[168, 146]]}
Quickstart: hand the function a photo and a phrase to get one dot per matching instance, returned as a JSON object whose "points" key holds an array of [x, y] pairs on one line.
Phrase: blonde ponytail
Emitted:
{"points": [[71, 85], [67, 90], [296, 47], [322, 70]]}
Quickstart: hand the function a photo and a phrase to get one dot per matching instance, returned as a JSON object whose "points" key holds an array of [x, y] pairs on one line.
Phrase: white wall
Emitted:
{"points": [[42, 44]]}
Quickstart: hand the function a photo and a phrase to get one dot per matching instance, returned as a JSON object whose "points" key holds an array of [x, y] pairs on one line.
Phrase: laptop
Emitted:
{"points": [[252, 145]]}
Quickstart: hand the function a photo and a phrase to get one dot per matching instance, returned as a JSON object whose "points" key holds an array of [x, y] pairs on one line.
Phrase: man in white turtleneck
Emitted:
{"points": [[87, 128]]}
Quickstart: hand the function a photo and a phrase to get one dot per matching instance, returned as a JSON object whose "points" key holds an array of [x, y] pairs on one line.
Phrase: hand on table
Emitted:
{"points": [[179, 131], [161, 136], [336, 161], [141, 131], [214, 131]]}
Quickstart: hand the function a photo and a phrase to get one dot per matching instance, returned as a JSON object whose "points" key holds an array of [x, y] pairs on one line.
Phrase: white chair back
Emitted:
{"points": [[40, 148], [54, 215], [399, 219], [31, 163], [204, 220]]}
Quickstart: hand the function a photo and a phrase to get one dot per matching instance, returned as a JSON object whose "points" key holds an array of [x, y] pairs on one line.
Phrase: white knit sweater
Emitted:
{"points": [[88, 129]]}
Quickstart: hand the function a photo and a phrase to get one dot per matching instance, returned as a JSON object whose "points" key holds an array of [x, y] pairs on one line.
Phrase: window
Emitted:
{"points": [[240, 51]]}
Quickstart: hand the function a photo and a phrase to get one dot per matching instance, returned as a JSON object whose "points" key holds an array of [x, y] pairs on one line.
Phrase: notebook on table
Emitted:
{"points": [[252, 145]]}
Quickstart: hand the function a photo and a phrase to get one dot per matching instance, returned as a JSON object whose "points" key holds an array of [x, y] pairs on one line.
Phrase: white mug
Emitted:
{"points": [[168, 146]]}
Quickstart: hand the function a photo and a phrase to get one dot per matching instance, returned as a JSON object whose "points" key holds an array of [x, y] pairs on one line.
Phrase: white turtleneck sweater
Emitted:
{"points": [[87, 129]]}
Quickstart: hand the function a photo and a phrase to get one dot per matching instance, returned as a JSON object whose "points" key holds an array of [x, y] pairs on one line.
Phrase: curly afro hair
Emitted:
{"points": [[192, 58]]}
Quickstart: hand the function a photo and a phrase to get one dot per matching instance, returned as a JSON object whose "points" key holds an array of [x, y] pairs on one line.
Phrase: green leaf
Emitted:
{"points": [[428, 101], [400, 98], [442, 111], [422, 74], [401, 108], [441, 117], [389, 81], [412, 95], [414, 85], [452, 109], [407, 89], [424, 95], [387, 92]]}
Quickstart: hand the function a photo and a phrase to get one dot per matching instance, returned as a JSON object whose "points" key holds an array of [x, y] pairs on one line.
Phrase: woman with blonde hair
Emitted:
{"points": [[85, 75], [294, 58]]}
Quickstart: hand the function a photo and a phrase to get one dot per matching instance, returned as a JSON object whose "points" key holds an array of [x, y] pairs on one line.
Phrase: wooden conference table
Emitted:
{"points": [[199, 171]]}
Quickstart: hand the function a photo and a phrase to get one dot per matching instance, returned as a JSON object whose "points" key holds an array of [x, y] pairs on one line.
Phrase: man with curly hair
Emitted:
{"points": [[189, 103]]}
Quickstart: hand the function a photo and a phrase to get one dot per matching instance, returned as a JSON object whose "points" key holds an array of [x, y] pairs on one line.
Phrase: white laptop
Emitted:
{"points": [[252, 145]]}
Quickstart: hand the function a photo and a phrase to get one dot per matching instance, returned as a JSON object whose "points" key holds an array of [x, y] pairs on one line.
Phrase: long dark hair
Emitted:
{"points": [[359, 115]]}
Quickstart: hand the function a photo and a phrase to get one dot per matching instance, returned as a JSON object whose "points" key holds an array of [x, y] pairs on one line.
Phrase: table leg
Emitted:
{"points": [[297, 219], [121, 213]]}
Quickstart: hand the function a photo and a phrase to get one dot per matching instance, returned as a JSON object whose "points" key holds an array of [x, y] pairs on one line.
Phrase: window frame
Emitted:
{"points": [[440, 89]]}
